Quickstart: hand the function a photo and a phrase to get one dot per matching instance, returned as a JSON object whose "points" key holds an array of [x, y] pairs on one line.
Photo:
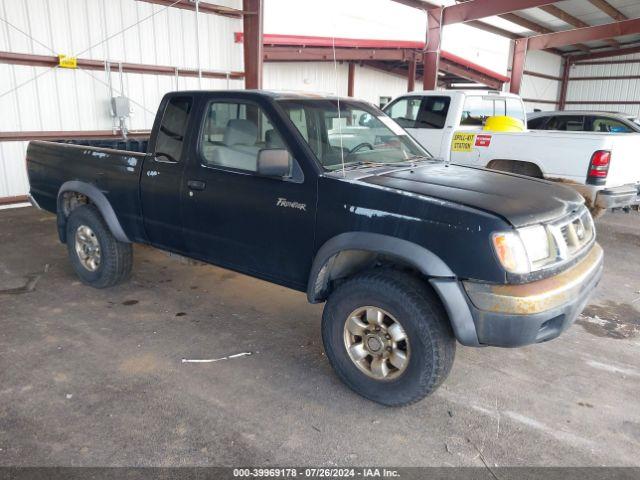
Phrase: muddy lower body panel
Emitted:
{"points": [[602, 198], [517, 315]]}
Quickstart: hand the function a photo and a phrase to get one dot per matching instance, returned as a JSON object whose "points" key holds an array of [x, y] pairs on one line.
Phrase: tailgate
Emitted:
{"points": [[625, 159]]}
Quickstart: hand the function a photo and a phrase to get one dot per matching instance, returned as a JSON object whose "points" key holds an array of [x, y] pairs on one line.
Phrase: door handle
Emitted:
{"points": [[196, 185]]}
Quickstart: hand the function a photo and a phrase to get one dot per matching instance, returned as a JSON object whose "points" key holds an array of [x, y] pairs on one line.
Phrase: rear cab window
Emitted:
{"points": [[170, 137], [478, 108]]}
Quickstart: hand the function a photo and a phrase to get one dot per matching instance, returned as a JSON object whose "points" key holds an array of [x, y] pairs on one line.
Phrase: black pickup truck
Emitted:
{"points": [[330, 197]]}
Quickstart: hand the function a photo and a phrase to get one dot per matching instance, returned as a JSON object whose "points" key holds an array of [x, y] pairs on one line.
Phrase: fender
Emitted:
{"points": [[419, 257], [439, 275], [99, 200]]}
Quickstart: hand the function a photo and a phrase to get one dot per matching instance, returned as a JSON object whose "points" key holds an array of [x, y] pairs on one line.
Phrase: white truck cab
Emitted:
{"points": [[450, 124]]}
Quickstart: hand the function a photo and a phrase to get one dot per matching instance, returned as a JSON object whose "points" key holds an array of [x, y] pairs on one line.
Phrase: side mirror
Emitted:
{"points": [[274, 163]]}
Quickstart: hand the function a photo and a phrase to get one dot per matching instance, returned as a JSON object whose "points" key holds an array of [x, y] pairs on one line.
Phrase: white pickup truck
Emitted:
{"points": [[603, 167]]}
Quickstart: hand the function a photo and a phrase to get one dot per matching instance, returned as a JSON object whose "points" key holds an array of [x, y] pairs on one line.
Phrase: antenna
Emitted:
{"points": [[335, 68]]}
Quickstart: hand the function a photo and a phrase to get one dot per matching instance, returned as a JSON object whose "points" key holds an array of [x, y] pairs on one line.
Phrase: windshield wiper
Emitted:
{"points": [[366, 164], [418, 158]]}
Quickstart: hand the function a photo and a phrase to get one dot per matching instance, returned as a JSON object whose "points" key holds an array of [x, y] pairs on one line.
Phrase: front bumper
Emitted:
{"points": [[618, 197], [517, 315]]}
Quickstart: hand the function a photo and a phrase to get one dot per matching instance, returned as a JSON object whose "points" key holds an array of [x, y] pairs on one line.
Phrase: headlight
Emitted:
{"points": [[536, 243], [523, 250], [511, 253]]}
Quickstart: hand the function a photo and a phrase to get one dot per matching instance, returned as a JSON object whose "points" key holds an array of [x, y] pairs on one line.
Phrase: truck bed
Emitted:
{"points": [[115, 172]]}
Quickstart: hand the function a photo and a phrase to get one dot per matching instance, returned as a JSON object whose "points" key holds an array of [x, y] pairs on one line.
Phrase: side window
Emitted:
{"points": [[537, 123], [569, 123], [405, 111], [234, 134], [172, 128], [603, 124], [433, 113]]}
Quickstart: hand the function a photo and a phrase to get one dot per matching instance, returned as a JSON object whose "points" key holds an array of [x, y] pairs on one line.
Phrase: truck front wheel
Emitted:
{"points": [[96, 256], [387, 336]]}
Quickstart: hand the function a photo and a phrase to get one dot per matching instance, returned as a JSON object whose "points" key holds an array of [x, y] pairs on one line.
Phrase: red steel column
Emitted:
{"points": [[411, 79], [517, 67], [351, 79], [252, 40], [432, 48], [562, 101]]}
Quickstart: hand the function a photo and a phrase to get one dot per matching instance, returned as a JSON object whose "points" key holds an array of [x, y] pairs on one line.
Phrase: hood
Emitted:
{"points": [[520, 200]]}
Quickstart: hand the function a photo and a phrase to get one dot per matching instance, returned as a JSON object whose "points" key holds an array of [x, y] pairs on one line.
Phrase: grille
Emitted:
{"points": [[572, 234]]}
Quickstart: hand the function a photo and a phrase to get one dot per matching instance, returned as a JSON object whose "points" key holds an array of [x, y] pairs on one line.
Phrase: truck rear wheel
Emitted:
{"points": [[96, 256], [388, 338]]}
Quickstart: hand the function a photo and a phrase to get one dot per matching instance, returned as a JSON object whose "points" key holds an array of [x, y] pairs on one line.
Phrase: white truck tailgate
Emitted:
{"points": [[625, 158]]}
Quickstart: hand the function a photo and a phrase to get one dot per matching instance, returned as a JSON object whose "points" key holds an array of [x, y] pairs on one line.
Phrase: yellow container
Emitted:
{"points": [[503, 124]]}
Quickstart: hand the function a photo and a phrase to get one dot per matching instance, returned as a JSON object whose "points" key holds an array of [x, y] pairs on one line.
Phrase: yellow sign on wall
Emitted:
{"points": [[67, 62], [462, 142]]}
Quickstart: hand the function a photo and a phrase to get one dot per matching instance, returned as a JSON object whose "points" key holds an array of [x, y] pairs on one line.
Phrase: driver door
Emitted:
{"points": [[161, 179], [236, 217]]}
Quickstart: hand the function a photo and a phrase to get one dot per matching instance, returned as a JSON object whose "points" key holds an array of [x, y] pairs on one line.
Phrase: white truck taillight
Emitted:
{"points": [[599, 167]]}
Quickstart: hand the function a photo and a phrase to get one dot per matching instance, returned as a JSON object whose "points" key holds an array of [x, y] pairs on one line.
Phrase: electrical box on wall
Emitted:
{"points": [[120, 107]]}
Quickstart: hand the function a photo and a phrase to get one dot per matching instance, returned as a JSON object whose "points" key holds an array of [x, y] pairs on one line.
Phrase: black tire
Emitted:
{"points": [[421, 314], [116, 258]]}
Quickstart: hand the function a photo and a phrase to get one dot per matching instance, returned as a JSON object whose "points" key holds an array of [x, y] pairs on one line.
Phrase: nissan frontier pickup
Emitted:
{"points": [[410, 254]]}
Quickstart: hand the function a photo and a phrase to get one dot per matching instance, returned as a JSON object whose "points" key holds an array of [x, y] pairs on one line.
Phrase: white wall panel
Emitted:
{"points": [[79, 99], [606, 90], [319, 77], [370, 84], [541, 88]]}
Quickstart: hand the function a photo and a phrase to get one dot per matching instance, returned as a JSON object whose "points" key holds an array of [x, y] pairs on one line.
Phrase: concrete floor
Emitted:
{"points": [[94, 377]]}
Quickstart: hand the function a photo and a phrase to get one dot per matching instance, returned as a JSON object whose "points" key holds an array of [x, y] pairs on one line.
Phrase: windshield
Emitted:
{"points": [[360, 135]]}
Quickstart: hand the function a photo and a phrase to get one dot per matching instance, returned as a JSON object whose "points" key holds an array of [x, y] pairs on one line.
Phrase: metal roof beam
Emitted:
{"points": [[477, 9], [578, 35], [525, 23], [609, 9], [493, 29], [605, 54], [571, 20], [535, 27], [461, 71], [320, 54], [480, 25], [419, 4]]}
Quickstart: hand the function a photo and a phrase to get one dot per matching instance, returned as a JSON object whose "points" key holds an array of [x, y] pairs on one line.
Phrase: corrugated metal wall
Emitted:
{"points": [[370, 84], [541, 88], [598, 90], [79, 99]]}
